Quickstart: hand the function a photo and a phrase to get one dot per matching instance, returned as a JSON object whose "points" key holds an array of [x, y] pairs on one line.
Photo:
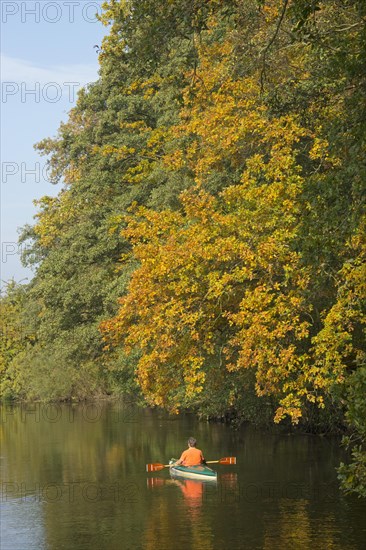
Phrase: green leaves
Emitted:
{"points": [[211, 218]]}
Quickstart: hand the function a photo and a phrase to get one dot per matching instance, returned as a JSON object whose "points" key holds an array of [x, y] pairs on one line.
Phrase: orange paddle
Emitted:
{"points": [[155, 467], [227, 460]]}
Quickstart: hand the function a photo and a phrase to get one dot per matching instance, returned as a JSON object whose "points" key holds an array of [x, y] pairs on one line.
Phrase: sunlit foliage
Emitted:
{"points": [[211, 220]]}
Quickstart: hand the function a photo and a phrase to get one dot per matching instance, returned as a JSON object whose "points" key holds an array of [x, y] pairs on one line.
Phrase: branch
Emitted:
{"points": [[279, 23], [344, 28]]}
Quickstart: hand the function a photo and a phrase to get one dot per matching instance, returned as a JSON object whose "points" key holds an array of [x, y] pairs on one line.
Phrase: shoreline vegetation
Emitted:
{"points": [[134, 403], [207, 248]]}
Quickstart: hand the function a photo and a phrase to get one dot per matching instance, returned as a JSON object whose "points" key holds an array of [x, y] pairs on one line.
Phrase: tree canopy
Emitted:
{"points": [[206, 250]]}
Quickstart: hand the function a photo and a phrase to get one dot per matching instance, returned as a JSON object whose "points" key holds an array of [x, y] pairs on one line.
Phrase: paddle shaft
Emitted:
{"points": [[157, 466]]}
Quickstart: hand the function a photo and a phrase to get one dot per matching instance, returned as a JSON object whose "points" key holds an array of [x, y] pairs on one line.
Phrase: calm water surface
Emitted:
{"points": [[73, 477]]}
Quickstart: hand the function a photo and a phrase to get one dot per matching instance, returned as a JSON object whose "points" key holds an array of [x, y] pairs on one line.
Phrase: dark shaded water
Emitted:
{"points": [[73, 477]]}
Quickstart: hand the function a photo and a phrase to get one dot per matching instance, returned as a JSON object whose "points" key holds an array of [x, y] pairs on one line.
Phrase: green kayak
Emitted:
{"points": [[201, 472]]}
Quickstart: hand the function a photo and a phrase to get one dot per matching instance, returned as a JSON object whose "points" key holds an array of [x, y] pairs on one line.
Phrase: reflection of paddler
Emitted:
{"points": [[192, 490], [193, 495]]}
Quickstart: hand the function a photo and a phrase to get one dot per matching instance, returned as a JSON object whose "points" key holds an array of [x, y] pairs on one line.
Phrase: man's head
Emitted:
{"points": [[192, 442]]}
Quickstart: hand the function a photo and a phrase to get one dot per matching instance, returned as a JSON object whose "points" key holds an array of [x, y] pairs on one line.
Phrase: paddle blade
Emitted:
{"points": [[228, 460], [154, 467]]}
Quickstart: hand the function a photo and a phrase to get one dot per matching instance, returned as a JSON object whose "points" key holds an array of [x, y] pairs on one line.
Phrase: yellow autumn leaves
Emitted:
{"points": [[222, 286], [224, 272]]}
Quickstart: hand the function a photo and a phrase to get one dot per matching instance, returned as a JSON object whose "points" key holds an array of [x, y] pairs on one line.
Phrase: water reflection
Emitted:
{"points": [[191, 489], [196, 492], [79, 473], [24, 519], [188, 514]]}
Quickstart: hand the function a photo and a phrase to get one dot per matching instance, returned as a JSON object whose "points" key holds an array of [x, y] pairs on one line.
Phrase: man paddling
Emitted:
{"points": [[191, 456]]}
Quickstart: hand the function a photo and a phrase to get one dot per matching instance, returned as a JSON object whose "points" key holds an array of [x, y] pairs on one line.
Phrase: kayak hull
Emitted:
{"points": [[200, 472]]}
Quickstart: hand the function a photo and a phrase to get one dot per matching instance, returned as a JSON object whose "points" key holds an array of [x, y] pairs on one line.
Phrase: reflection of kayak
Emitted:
{"points": [[201, 471]]}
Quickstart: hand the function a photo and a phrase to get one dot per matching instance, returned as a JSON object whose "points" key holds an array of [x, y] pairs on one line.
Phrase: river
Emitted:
{"points": [[73, 477]]}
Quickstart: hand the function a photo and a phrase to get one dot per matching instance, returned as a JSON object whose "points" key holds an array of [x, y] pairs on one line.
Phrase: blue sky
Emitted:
{"points": [[47, 54]]}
